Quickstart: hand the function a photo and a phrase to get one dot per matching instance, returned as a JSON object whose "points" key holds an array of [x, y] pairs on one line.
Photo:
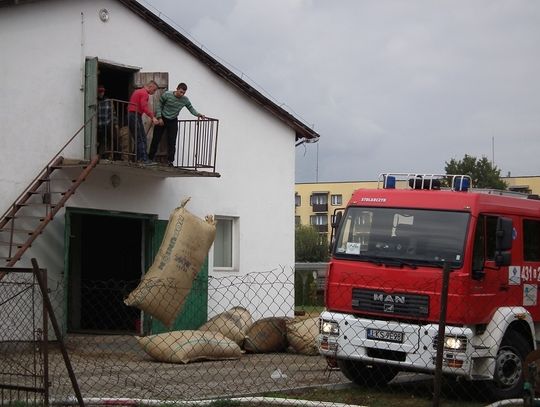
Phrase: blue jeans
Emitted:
{"points": [[136, 128]]}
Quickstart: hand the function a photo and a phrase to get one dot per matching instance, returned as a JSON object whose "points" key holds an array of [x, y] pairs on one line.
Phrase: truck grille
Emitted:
{"points": [[410, 305]]}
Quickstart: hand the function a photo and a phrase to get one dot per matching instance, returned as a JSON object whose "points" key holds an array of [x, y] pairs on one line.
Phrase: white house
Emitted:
{"points": [[53, 53]]}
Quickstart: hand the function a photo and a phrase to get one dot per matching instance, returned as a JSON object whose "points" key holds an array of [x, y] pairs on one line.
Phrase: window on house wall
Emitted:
{"points": [[297, 200], [225, 243], [297, 220], [337, 200]]}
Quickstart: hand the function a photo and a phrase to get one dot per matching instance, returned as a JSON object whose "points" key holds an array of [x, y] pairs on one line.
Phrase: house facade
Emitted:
{"points": [[54, 53]]}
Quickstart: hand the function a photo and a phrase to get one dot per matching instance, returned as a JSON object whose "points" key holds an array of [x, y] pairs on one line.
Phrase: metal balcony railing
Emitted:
{"points": [[196, 141]]}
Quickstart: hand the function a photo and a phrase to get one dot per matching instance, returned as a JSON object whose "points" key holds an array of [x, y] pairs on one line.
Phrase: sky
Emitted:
{"points": [[390, 85]]}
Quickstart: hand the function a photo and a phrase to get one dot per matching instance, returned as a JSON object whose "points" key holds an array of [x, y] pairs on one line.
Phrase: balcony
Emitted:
{"points": [[321, 228], [196, 146], [320, 207]]}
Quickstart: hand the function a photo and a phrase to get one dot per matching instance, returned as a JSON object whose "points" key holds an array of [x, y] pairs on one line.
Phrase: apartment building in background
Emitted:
{"points": [[315, 202]]}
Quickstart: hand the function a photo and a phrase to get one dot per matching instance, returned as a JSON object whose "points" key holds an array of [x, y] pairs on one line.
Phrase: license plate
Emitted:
{"points": [[383, 335]]}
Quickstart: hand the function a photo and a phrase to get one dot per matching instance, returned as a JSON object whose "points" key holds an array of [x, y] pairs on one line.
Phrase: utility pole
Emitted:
{"points": [[493, 151], [317, 165]]}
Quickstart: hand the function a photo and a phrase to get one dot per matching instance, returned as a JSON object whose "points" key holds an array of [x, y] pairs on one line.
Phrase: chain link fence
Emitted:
{"points": [[250, 336]]}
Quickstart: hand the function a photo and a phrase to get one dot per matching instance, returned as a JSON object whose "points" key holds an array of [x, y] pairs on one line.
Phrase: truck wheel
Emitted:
{"points": [[507, 380], [363, 374]]}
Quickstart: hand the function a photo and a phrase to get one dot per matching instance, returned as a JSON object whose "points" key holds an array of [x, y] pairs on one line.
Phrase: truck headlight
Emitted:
{"points": [[458, 343], [329, 327]]}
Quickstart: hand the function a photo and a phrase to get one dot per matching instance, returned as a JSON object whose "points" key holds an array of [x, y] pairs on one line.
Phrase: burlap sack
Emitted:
{"points": [[164, 288], [188, 346], [302, 335], [232, 324], [267, 335]]}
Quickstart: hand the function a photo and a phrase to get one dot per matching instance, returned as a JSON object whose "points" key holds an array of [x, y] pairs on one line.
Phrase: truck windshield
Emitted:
{"points": [[402, 236]]}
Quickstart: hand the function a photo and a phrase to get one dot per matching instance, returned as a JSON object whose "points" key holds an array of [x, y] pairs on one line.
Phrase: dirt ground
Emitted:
{"points": [[117, 367]]}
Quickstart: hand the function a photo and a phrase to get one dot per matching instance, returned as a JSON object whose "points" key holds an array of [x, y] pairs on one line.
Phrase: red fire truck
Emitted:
{"points": [[383, 287]]}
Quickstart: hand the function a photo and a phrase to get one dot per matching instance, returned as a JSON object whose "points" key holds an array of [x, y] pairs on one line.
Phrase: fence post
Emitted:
{"points": [[440, 335], [56, 327]]}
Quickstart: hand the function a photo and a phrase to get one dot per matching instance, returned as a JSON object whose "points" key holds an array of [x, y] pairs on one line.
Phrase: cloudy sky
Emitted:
{"points": [[390, 85]]}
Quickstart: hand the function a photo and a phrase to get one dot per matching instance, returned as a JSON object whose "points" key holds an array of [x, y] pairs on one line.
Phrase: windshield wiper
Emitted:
{"points": [[400, 263], [372, 259], [380, 261]]}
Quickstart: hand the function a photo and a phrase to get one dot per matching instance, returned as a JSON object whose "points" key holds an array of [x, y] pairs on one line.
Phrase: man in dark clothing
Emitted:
{"points": [[167, 111], [106, 123]]}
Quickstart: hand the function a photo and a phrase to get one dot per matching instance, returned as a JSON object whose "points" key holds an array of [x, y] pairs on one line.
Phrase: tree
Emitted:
{"points": [[309, 246], [482, 172]]}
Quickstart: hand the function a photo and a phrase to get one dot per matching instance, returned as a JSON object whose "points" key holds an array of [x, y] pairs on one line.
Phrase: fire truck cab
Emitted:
{"points": [[383, 286]]}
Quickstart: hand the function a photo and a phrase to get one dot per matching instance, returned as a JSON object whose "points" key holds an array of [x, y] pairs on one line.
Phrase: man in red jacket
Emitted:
{"points": [[138, 104]]}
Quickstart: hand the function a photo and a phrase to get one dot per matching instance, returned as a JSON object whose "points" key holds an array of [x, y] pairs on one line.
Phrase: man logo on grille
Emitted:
{"points": [[387, 298]]}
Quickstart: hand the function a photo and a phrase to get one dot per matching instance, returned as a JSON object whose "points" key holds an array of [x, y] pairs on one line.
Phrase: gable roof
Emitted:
{"points": [[301, 129]]}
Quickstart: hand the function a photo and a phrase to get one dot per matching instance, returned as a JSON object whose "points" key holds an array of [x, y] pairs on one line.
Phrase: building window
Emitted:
{"points": [[319, 222], [297, 200], [225, 243], [297, 220], [336, 200], [524, 189], [319, 199]]}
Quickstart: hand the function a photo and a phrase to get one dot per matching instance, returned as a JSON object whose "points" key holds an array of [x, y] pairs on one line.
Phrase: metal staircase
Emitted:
{"points": [[36, 206]]}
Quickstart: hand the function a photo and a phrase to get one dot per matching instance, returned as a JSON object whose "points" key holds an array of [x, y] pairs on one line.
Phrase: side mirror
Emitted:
{"points": [[503, 242], [337, 219], [503, 237]]}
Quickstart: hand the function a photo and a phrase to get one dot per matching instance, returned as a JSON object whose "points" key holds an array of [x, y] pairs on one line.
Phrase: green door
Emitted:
{"points": [[195, 310]]}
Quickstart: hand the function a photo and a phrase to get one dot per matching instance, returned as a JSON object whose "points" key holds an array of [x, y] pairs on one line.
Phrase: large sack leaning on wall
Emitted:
{"points": [[189, 346], [302, 335], [232, 324], [164, 288], [267, 335]]}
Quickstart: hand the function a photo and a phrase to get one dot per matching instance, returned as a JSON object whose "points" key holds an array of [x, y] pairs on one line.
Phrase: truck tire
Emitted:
{"points": [[508, 378], [364, 374]]}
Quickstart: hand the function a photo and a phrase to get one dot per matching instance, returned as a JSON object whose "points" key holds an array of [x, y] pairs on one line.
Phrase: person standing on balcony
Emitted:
{"points": [[106, 123], [138, 105], [167, 111]]}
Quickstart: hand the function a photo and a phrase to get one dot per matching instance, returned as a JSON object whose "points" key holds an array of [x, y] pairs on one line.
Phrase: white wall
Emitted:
{"points": [[43, 48]]}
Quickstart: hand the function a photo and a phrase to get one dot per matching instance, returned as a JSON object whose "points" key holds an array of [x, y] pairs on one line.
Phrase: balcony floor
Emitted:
{"points": [[159, 170]]}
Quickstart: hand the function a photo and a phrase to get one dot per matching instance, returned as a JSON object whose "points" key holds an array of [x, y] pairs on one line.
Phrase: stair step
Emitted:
{"points": [[41, 218], [11, 244], [35, 204], [47, 192], [75, 165], [9, 230]]}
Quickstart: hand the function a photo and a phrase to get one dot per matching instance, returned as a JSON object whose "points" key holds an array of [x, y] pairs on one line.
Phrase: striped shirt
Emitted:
{"points": [[169, 106]]}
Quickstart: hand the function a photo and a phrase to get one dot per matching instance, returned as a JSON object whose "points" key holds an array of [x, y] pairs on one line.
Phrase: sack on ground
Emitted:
{"points": [[164, 288], [189, 346], [232, 324], [302, 335], [267, 335]]}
